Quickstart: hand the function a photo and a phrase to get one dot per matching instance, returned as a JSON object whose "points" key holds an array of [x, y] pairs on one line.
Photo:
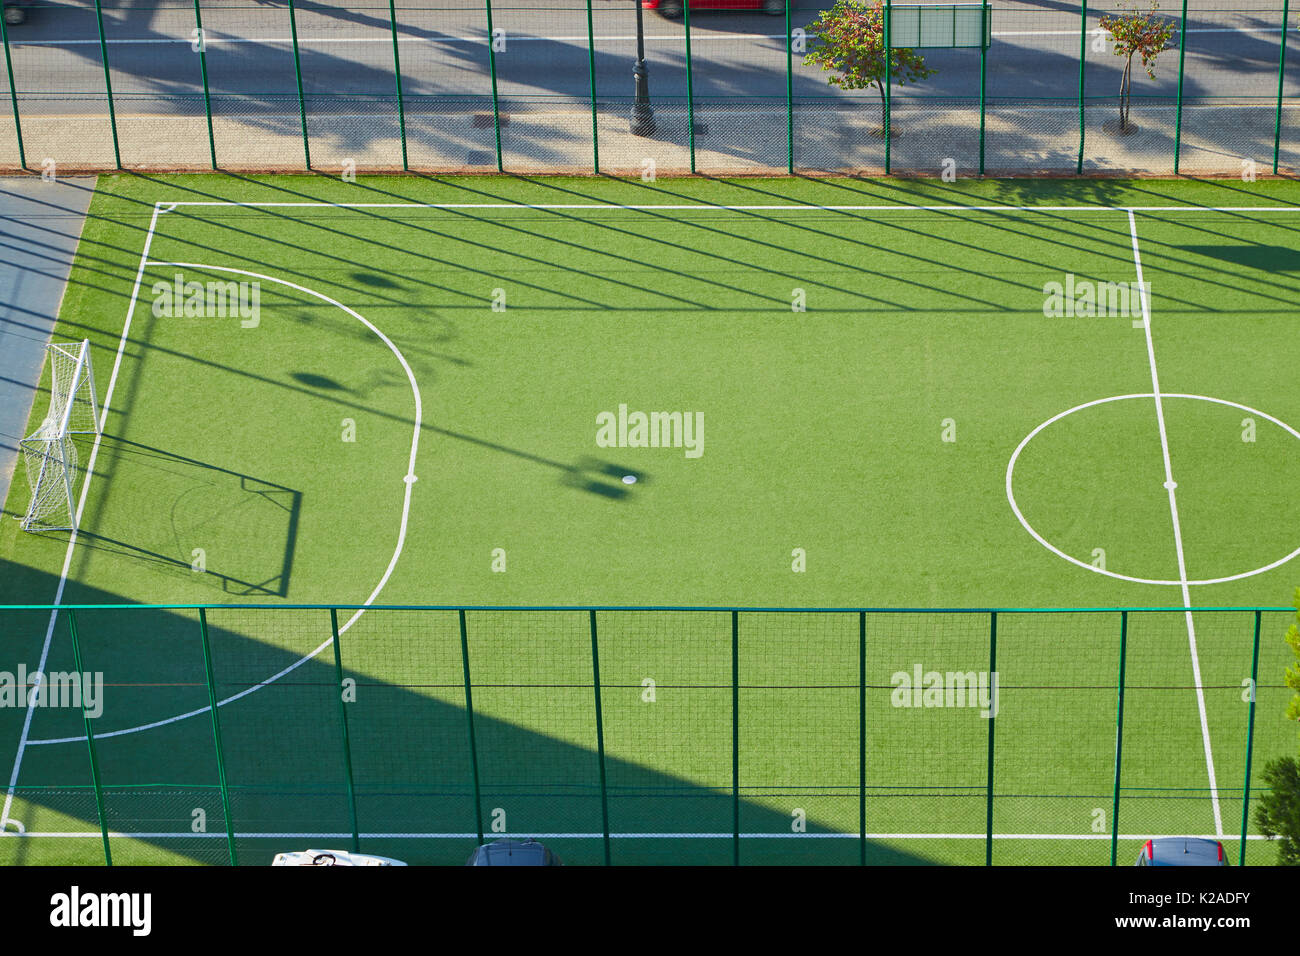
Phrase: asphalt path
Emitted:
{"points": [[40, 224]]}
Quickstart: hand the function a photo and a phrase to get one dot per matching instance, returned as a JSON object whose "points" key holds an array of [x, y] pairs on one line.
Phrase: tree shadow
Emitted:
{"points": [[1265, 258]]}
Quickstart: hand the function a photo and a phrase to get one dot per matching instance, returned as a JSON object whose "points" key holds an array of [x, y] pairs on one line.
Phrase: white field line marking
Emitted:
{"points": [[221, 835], [81, 505], [409, 480], [802, 207], [543, 206], [1171, 486]]}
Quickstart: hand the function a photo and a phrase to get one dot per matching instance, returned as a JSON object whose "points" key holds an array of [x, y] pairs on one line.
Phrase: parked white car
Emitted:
{"points": [[332, 858]]}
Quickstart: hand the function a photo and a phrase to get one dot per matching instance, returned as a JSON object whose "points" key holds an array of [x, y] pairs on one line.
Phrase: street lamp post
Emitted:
{"points": [[643, 115]]}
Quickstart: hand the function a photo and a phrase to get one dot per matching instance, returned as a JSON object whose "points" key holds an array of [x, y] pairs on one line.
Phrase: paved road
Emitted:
{"points": [[348, 48]]}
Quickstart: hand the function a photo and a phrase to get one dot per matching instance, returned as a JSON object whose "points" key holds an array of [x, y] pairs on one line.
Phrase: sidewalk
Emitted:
{"points": [[1025, 138]]}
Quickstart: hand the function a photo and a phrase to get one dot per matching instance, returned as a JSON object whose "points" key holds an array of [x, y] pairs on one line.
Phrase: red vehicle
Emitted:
{"points": [[672, 9]]}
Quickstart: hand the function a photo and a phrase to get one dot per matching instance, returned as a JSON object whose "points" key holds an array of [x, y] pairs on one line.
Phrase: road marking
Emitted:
{"points": [[385, 37]]}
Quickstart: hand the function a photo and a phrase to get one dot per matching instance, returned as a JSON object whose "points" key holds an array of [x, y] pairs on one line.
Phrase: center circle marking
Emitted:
{"points": [[1171, 485]]}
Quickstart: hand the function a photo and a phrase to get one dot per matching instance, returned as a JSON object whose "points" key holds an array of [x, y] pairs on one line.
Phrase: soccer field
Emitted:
{"points": [[571, 393]]}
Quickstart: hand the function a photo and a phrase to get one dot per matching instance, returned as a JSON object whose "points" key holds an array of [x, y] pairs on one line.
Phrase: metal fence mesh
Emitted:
{"points": [[384, 86], [649, 736]]}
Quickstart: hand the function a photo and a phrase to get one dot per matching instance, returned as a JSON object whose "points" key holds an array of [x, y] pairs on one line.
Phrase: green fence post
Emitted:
{"points": [[297, 72], [202, 42], [469, 722], [988, 808], [1178, 120], [690, 81], [789, 92], [735, 737], [397, 75], [1250, 744], [1281, 76], [108, 83], [889, 78], [600, 736], [343, 717], [862, 738], [216, 737], [1083, 54], [13, 94], [984, 60], [496, 103], [591, 70], [207, 93], [1119, 737], [90, 742]]}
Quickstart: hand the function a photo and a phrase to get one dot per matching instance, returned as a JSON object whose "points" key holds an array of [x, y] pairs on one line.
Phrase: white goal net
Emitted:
{"points": [[50, 453]]}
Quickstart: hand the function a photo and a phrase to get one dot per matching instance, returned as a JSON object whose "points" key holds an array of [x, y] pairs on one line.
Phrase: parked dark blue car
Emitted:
{"points": [[513, 853], [1182, 851]]}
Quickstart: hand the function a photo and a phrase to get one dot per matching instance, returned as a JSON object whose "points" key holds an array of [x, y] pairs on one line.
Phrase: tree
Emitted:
{"points": [[1136, 34], [1293, 673], [850, 42], [1278, 812]]}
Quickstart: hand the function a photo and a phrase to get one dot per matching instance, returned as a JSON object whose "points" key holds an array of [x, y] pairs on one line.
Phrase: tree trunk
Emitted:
{"points": [[1125, 92], [880, 85]]}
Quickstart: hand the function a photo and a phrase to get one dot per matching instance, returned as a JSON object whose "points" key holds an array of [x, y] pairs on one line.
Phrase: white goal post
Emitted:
{"points": [[50, 453]]}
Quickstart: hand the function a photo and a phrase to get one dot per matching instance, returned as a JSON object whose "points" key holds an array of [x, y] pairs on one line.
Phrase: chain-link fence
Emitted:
{"points": [[636, 736], [607, 86]]}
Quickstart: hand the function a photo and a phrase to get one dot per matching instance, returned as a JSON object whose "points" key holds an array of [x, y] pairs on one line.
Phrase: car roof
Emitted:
{"points": [[1183, 851], [332, 858], [512, 853]]}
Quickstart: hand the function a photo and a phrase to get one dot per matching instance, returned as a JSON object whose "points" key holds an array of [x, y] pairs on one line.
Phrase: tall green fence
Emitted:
{"points": [[502, 85], [640, 735]]}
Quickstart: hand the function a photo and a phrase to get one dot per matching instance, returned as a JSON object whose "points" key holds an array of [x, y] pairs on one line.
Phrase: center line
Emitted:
{"points": [[1171, 486]]}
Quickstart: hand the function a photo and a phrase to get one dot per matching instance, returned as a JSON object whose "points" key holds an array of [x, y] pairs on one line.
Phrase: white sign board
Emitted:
{"points": [[942, 26]]}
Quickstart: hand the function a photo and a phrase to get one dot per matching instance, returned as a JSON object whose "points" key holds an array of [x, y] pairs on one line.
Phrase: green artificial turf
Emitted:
{"points": [[867, 435]]}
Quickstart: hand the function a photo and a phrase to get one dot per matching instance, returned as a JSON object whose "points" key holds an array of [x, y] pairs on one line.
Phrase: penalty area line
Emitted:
{"points": [[408, 481]]}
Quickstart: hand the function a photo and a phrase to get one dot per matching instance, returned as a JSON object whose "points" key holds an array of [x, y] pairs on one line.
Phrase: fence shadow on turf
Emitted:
{"points": [[287, 762], [586, 475], [717, 245]]}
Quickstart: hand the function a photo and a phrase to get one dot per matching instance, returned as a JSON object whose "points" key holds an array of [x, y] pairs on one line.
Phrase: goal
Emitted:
{"points": [[50, 453]]}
